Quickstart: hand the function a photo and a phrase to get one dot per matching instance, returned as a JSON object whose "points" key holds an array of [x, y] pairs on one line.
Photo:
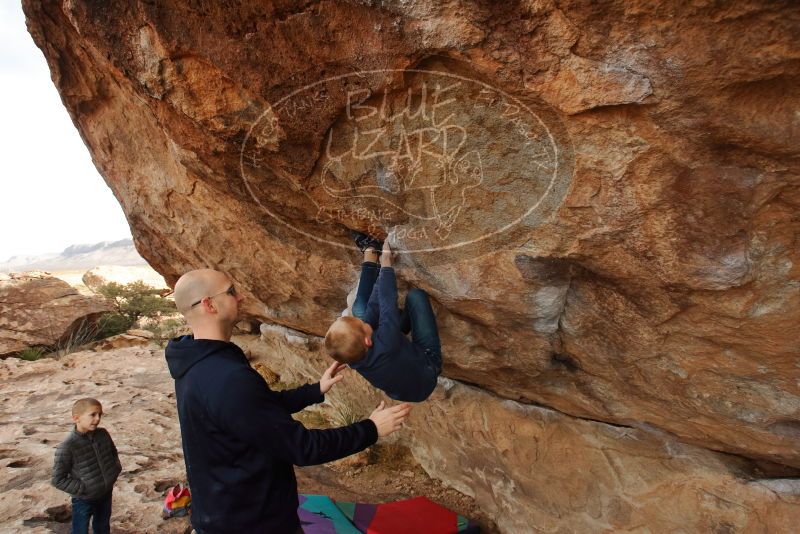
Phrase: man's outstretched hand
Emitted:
{"points": [[332, 374], [388, 420]]}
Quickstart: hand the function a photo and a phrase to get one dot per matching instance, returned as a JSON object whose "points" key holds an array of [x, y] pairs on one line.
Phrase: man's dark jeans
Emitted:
{"points": [[417, 317], [98, 510]]}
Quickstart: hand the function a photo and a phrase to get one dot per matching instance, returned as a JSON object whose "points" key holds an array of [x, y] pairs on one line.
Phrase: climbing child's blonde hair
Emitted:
{"points": [[344, 340]]}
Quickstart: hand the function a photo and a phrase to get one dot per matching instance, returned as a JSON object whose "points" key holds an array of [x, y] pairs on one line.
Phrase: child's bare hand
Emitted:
{"points": [[331, 375], [386, 256], [389, 420]]}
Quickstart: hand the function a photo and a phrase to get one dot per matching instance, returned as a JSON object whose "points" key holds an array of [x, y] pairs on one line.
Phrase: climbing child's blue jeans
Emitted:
{"points": [[417, 317]]}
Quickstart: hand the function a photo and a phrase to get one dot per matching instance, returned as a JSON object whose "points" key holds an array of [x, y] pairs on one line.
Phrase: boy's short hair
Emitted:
{"points": [[81, 406], [344, 340]]}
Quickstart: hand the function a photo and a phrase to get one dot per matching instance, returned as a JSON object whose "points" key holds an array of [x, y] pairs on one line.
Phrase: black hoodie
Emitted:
{"points": [[240, 443]]}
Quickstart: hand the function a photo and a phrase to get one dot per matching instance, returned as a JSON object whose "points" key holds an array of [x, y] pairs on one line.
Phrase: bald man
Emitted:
{"points": [[240, 442]]}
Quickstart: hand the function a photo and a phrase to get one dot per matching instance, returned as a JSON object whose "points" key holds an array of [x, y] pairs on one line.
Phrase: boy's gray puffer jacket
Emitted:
{"points": [[86, 465]]}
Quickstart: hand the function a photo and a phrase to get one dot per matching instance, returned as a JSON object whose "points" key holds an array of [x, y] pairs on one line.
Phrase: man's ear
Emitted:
{"points": [[367, 341], [75, 418], [208, 304]]}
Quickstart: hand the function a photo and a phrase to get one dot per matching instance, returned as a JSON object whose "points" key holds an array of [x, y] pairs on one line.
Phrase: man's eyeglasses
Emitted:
{"points": [[230, 291]]}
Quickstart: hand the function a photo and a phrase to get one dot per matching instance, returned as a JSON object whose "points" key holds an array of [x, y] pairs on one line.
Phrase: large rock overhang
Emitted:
{"points": [[656, 283]]}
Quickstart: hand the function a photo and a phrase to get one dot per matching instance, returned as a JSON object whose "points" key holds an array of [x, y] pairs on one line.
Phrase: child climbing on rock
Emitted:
{"points": [[373, 341]]}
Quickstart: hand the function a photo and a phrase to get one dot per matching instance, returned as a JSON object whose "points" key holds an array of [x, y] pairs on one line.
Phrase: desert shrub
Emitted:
{"points": [[111, 324], [32, 354], [136, 300], [81, 335], [165, 330], [392, 456], [345, 414], [131, 302]]}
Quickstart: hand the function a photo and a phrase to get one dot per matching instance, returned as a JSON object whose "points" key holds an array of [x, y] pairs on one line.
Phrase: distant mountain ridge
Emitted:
{"points": [[83, 256]]}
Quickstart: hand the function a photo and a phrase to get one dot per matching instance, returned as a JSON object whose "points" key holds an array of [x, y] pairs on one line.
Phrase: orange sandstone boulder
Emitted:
{"points": [[37, 309]]}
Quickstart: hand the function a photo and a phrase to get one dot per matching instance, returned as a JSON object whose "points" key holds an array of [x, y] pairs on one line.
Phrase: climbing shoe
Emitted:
{"points": [[364, 241]]}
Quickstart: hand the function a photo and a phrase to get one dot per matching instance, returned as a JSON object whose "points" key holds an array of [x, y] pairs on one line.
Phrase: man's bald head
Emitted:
{"points": [[196, 285]]}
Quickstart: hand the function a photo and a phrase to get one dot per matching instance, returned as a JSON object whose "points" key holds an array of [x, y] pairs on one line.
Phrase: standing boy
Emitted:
{"points": [[86, 467]]}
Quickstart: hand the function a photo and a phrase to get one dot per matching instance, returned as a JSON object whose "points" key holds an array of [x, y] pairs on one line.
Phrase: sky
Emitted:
{"points": [[51, 195]]}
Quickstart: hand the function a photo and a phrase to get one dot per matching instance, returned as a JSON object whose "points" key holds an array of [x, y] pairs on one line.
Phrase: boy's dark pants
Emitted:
{"points": [[99, 510], [417, 317]]}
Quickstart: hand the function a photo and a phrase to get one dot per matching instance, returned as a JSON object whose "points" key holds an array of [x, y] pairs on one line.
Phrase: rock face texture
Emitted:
{"points": [[535, 469], [601, 199], [131, 338], [37, 309]]}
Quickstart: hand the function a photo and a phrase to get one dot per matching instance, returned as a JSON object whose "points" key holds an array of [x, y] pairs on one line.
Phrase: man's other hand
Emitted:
{"points": [[332, 374], [388, 420]]}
